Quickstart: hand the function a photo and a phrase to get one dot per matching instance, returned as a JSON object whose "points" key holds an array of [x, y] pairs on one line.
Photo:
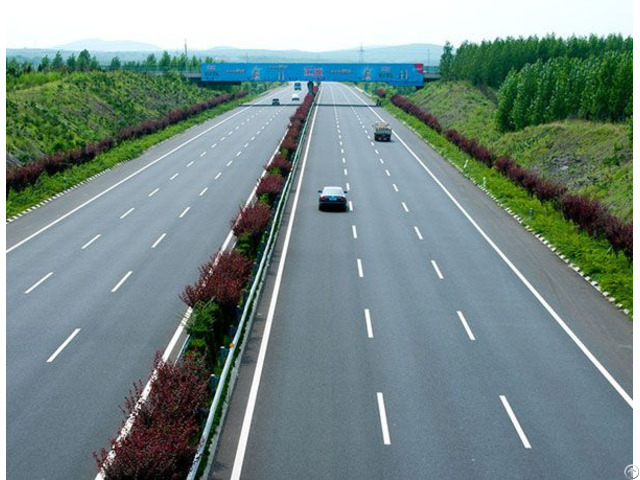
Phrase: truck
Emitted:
{"points": [[381, 132]]}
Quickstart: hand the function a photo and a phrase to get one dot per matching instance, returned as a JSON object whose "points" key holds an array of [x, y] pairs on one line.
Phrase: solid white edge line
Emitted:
{"points": [[605, 373], [360, 271], [367, 319], [176, 335], [255, 384], [124, 279], [117, 184], [62, 347], [515, 422], [466, 326], [437, 269], [37, 284], [383, 420], [91, 241], [158, 240]]}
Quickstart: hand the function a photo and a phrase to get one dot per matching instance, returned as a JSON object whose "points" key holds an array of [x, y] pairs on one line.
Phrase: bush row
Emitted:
{"points": [[408, 106], [18, 178], [160, 444], [164, 437], [587, 213], [223, 280]]}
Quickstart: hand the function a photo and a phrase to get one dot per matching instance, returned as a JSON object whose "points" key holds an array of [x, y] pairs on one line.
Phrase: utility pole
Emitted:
{"points": [[361, 52], [186, 56]]}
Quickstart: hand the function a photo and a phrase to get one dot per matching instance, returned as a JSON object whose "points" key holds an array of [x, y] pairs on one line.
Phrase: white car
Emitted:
{"points": [[295, 97]]}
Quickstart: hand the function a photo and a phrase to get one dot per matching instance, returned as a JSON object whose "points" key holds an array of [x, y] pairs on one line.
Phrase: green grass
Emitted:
{"points": [[593, 158], [48, 186], [63, 112], [594, 257]]}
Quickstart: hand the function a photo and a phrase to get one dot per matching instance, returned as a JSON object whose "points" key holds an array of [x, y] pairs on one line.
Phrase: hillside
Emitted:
{"points": [[72, 110], [590, 157], [428, 54]]}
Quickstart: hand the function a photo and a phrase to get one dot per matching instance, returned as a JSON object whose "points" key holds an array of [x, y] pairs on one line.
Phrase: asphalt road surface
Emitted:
{"points": [[422, 334], [94, 277]]}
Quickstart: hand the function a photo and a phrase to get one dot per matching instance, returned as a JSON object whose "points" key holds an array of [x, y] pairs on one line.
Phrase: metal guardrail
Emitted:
{"points": [[249, 306]]}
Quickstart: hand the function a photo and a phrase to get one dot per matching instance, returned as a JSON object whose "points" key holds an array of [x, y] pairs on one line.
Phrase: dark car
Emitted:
{"points": [[275, 101], [332, 198]]}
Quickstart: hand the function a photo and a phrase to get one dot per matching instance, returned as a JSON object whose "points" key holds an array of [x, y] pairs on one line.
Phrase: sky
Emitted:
{"points": [[289, 24]]}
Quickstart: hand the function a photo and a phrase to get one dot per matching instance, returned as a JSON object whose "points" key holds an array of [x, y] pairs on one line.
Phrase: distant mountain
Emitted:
{"points": [[97, 45], [413, 53], [104, 51]]}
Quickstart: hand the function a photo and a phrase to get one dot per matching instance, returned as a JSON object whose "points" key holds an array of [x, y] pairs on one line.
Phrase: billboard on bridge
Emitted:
{"points": [[400, 74]]}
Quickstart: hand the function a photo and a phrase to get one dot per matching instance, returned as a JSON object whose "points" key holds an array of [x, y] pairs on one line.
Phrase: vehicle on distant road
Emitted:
{"points": [[275, 101], [381, 132], [295, 97], [297, 86], [332, 198]]}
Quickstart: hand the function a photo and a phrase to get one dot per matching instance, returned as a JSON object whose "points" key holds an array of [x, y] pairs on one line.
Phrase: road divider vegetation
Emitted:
{"points": [[226, 288]]}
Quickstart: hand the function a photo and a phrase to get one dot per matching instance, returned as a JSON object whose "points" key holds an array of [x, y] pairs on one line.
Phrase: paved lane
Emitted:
{"points": [[92, 297], [404, 346]]}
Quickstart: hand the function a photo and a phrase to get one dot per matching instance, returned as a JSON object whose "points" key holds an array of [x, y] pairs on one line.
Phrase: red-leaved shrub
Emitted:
{"points": [[279, 162], [222, 279], [270, 185], [251, 220], [160, 443]]}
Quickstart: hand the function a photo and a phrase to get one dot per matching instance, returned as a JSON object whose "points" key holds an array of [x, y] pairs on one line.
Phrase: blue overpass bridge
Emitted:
{"points": [[396, 74]]}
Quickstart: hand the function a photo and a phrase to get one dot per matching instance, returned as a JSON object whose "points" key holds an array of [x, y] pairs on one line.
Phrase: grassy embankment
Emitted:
{"points": [[594, 158], [588, 148], [75, 110]]}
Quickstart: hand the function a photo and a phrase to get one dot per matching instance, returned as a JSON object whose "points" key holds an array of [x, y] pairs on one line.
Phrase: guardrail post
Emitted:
{"points": [[213, 382], [224, 351]]}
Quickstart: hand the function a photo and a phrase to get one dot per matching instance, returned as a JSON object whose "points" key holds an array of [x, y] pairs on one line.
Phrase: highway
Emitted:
{"points": [[93, 282], [422, 334]]}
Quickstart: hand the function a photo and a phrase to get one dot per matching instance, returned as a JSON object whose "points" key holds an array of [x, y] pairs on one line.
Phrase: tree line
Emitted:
{"points": [[490, 62], [86, 62], [595, 88]]}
